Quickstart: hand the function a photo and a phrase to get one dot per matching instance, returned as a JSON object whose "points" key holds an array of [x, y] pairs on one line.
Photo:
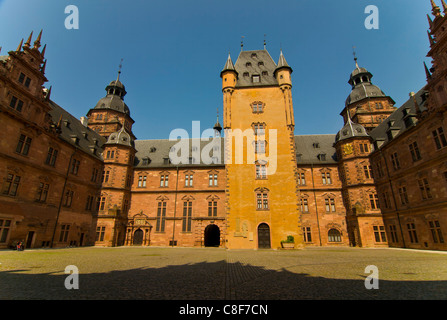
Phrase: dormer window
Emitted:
{"points": [[322, 157], [248, 64], [260, 63], [265, 73], [316, 145], [254, 55], [246, 74], [256, 78]]}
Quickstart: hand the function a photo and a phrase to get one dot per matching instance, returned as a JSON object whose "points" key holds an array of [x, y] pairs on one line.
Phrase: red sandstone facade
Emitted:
{"points": [[381, 181]]}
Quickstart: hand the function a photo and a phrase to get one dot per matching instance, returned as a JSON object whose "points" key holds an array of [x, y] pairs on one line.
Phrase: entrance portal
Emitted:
{"points": [[264, 236], [138, 237], [212, 236]]}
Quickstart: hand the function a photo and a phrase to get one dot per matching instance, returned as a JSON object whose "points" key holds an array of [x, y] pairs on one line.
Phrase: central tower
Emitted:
{"points": [[262, 192]]}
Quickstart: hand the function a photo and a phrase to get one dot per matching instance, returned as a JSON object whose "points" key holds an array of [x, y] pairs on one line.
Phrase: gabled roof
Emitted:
{"points": [[250, 63], [156, 153], [310, 148], [396, 122], [75, 133]]}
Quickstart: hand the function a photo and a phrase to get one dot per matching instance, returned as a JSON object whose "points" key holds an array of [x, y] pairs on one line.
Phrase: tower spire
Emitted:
{"points": [[355, 57], [435, 9], [37, 42], [20, 46], [28, 42], [427, 72], [444, 6], [119, 70]]}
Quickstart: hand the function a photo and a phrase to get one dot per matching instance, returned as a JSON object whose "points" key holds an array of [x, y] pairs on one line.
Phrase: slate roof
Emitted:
{"points": [[255, 62], [157, 153], [310, 148], [75, 133], [397, 122], [351, 129]]}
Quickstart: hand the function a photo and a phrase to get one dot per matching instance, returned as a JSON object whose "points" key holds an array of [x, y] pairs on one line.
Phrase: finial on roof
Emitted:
{"points": [[43, 50], [265, 41], [242, 43], [435, 9], [28, 42], [119, 70], [37, 42], [20, 46], [355, 57], [427, 72]]}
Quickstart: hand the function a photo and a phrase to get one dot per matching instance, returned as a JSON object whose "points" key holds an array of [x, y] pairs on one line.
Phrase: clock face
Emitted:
{"points": [[347, 148]]}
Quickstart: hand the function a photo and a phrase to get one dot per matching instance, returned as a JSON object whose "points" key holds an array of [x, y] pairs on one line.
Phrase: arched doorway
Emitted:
{"points": [[138, 237], [212, 236], [264, 236]]}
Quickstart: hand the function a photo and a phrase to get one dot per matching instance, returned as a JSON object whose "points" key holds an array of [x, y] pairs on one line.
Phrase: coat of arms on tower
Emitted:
{"points": [[347, 148]]}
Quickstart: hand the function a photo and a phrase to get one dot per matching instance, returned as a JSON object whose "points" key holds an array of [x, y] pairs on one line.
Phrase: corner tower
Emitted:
{"points": [[367, 104], [111, 112], [262, 191]]}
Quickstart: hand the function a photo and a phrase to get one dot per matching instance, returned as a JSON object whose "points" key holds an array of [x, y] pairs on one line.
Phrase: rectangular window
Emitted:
{"points": [[301, 179], [393, 233], [94, 175], [105, 176], [51, 157], [379, 233], [27, 82], [16, 104], [439, 137], [327, 178], [304, 205], [425, 189], [403, 195], [386, 200], [89, 203], [364, 148], [188, 180], [212, 179], [262, 201], [260, 147], [21, 78], [380, 169], [187, 213], [142, 181], [212, 208], [164, 180], [23, 145], [100, 232], [5, 225], [395, 161], [161, 217], [74, 168], [261, 171], [259, 129], [374, 201], [330, 205], [414, 150], [11, 185], [436, 232], [42, 192], [307, 234], [412, 233], [101, 203], [368, 172], [68, 198], [65, 228]]}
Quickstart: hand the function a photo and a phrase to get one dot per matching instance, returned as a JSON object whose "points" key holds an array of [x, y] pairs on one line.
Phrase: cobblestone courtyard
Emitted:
{"points": [[156, 273]]}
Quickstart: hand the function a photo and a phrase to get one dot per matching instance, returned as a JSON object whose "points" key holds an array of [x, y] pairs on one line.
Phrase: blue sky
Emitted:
{"points": [[174, 50]]}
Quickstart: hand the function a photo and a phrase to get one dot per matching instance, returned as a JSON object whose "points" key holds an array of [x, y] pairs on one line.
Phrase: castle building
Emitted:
{"points": [[380, 181]]}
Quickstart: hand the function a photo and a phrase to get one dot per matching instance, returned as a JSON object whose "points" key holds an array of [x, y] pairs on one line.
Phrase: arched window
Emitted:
{"points": [[334, 235]]}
